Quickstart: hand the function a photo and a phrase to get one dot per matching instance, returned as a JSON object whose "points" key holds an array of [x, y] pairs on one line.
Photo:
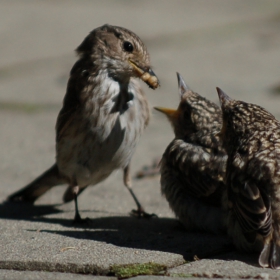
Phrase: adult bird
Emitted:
{"points": [[103, 115]]}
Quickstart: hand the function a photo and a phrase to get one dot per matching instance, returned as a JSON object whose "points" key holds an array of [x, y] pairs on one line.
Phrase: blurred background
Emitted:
{"points": [[231, 44]]}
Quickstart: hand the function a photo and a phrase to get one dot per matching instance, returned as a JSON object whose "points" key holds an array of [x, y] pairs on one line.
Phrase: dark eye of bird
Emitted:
{"points": [[127, 46]]}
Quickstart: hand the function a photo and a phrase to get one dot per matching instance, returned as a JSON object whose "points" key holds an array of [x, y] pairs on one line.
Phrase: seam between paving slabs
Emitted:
{"points": [[69, 267]]}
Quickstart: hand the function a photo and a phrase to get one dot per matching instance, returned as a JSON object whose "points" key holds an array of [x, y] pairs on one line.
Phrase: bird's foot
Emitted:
{"points": [[78, 221], [140, 213]]}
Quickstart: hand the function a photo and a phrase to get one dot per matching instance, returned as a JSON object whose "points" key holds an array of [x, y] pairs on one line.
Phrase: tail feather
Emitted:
{"points": [[39, 186], [275, 258], [270, 255], [265, 255]]}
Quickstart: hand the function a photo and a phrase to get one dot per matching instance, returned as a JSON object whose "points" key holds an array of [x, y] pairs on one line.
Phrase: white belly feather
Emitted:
{"points": [[110, 143]]}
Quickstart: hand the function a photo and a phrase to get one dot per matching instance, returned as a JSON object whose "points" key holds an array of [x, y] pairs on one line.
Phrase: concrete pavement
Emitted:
{"points": [[231, 44]]}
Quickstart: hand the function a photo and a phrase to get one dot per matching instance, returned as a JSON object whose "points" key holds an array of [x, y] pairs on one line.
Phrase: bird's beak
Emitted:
{"points": [[171, 113], [148, 76]]}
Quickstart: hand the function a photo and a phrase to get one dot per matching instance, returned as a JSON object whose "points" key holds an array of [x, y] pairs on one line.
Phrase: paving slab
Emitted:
{"points": [[235, 266], [44, 239], [231, 44], [6, 274]]}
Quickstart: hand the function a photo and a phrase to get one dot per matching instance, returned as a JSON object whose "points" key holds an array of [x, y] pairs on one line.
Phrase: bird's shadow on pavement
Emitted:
{"points": [[157, 234]]}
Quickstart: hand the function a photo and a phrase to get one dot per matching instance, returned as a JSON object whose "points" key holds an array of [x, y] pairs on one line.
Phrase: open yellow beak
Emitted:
{"points": [[171, 113], [149, 77]]}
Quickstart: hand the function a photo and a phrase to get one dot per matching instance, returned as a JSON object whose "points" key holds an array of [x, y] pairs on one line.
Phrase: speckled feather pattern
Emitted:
{"points": [[252, 139], [193, 165]]}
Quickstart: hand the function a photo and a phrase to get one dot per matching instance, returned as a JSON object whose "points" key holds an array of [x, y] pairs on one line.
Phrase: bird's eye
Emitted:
{"points": [[127, 46]]}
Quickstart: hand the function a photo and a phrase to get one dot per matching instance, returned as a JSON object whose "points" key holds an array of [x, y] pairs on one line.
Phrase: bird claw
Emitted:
{"points": [[140, 213], [78, 221]]}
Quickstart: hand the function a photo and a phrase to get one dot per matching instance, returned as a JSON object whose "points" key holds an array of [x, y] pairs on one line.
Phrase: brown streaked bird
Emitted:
{"points": [[251, 137], [193, 164], [103, 115]]}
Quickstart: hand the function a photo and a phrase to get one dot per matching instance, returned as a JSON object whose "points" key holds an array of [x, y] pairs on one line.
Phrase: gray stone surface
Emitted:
{"points": [[226, 268], [6, 274], [231, 44]]}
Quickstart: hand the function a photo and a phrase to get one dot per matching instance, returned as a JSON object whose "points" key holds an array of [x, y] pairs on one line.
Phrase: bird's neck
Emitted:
{"points": [[118, 94]]}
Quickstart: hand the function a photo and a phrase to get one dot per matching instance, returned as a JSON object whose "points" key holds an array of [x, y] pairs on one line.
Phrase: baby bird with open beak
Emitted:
{"points": [[193, 165]]}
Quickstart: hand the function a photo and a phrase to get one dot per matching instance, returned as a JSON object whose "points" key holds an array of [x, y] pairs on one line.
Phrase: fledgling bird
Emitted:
{"points": [[193, 165], [251, 137], [103, 116]]}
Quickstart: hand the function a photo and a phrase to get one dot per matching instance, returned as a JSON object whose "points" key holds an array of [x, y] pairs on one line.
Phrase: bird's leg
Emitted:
{"points": [[77, 218], [140, 212]]}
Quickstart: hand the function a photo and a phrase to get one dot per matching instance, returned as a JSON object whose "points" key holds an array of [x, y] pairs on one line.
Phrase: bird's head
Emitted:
{"points": [[121, 52], [241, 119], [195, 115]]}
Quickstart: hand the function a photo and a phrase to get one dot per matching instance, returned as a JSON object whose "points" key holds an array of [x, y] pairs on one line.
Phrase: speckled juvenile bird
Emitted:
{"points": [[193, 164], [103, 116], [251, 137]]}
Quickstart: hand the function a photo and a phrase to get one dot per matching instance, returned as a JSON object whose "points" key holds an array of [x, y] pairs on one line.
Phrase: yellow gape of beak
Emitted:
{"points": [[170, 113]]}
